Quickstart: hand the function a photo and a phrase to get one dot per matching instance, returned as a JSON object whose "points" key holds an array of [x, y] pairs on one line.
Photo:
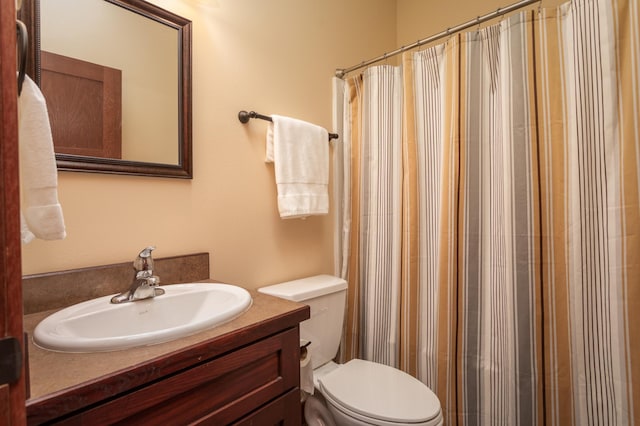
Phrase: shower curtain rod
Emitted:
{"points": [[341, 72]]}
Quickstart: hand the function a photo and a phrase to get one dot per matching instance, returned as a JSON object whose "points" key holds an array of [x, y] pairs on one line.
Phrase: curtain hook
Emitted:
{"points": [[478, 22]]}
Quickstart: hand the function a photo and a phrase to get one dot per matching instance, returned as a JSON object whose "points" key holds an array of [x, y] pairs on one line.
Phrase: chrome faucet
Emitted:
{"points": [[145, 284]]}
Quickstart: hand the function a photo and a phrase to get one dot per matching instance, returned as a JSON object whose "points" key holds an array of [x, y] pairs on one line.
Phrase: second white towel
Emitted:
{"points": [[300, 153]]}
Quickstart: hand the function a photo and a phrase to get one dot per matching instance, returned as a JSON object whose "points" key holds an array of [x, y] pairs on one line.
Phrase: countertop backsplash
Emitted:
{"points": [[53, 290]]}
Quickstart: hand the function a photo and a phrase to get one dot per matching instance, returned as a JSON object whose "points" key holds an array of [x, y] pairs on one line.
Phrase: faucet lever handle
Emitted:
{"points": [[147, 251], [144, 261]]}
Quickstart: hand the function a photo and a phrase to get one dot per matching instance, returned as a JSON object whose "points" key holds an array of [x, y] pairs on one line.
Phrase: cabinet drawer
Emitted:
{"points": [[222, 389]]}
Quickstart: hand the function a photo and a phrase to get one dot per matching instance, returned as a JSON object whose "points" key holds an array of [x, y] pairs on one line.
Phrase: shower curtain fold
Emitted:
{"points": [[588, 76], [490, 217]]}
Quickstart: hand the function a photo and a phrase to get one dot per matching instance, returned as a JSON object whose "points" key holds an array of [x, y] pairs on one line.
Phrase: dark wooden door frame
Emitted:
{"points": [[12, 396]]}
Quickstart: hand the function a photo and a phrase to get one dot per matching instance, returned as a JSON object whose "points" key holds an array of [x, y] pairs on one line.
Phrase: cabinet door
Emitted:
{"points": [[283, 411], [218, 391]]}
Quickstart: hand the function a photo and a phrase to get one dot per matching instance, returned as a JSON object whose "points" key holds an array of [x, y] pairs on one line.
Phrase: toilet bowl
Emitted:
{"points": [[316, 412], [367, 393], [358, 392]]}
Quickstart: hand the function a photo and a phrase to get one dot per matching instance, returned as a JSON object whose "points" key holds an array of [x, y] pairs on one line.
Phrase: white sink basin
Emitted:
{"points": [[99, 325]]}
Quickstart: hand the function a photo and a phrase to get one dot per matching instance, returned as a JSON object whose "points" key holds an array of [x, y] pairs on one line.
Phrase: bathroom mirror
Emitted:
{"points": [[116, 75]]}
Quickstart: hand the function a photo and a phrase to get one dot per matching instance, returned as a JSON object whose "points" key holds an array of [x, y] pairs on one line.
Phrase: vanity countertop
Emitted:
{"points": [[62, 382]]}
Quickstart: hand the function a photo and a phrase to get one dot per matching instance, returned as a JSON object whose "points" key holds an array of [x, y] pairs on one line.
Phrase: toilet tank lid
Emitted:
{"points": [[305, 288]]}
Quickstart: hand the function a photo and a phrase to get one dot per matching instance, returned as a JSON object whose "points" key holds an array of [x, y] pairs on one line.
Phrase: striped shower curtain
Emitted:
{"points": [[488, 217]]}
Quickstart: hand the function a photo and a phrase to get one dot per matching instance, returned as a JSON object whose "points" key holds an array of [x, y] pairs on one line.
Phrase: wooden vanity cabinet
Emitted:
{"points": [[260, 379], [249, 379]]}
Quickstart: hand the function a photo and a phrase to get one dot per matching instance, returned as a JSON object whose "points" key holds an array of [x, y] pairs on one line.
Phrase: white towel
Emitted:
{"points": [[41, 211], [300, 153]]}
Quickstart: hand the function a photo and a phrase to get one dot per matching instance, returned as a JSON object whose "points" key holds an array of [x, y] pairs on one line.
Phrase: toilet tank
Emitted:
{"points": [[326, 297]]}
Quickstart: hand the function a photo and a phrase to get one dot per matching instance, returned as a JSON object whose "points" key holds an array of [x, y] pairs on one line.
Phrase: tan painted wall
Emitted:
{"points": [[275, 56], [419, 19]]}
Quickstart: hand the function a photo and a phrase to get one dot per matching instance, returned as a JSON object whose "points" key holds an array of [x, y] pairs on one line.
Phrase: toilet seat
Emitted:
{"points": [[380, 395]]}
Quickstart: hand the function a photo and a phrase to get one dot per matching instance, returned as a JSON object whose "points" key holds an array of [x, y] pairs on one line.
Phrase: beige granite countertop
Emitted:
{"points": [[51, 372]]}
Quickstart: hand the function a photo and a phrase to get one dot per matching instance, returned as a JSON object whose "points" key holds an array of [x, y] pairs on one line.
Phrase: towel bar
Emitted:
{"points": [[245, 116]]}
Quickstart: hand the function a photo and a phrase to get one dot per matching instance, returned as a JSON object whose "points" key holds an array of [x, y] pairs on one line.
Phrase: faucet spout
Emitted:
{"points": [[144, 284]]}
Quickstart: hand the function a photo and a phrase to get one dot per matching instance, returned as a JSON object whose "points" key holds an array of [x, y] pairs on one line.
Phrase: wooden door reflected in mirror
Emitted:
{"points": [[117, 78]]}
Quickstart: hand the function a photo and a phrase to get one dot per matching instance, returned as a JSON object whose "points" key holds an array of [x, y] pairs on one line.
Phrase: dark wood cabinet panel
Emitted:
{"points": [[251, 380], [283, 411]]}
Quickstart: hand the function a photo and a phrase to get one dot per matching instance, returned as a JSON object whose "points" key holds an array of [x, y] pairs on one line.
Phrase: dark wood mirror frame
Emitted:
{"points": [[30, 15]]}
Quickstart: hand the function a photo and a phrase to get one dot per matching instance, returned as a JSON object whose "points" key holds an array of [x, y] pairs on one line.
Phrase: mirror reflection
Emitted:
{"points": [[116, 74], [97, 45]]}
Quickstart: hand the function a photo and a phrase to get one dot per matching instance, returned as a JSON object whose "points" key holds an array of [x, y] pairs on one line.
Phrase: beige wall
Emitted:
{"points": [[418, 19], [275, 57]]}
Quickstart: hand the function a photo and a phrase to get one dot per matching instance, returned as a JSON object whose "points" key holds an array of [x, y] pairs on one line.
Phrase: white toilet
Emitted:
{"points": [[358, 392]]}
